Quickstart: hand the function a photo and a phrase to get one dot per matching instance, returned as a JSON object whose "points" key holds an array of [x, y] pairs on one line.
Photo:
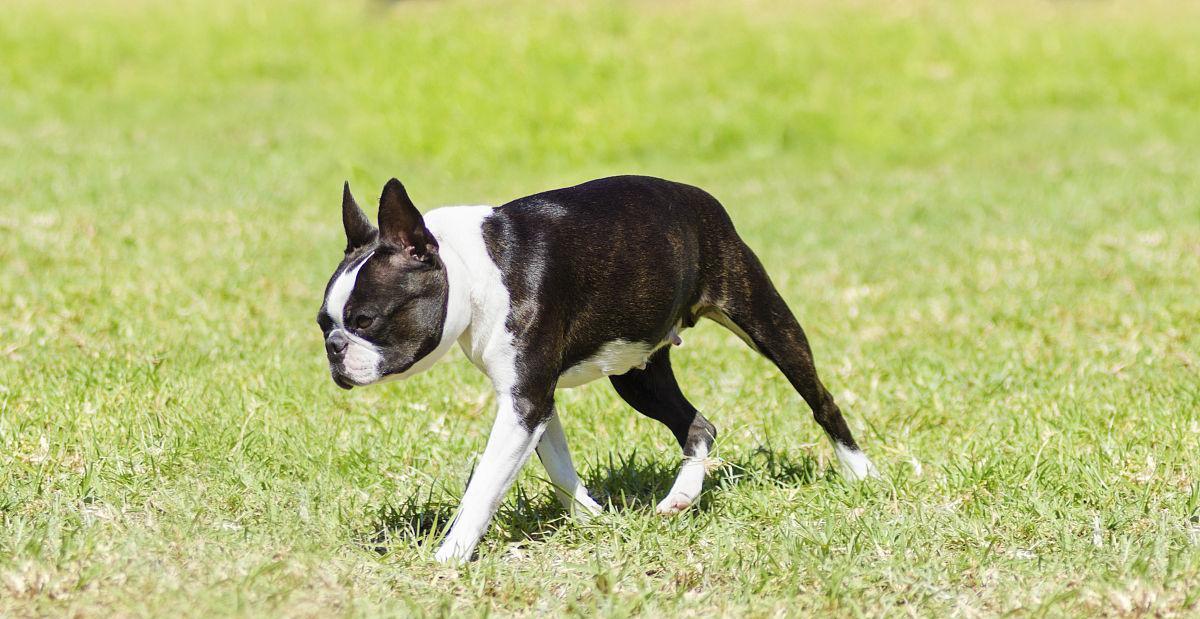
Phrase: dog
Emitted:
{"points": [[556, 290]]}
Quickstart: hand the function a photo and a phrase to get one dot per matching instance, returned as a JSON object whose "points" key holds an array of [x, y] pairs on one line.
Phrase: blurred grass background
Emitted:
{"points": [[985, 215]]}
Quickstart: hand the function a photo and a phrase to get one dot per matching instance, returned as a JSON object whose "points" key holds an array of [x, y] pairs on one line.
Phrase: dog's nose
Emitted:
{"points": [[336, 344]]}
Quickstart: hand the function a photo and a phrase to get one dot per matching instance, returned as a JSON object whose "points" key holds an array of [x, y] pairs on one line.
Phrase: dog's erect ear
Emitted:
{"points": [[359, 230], [401, 225]]}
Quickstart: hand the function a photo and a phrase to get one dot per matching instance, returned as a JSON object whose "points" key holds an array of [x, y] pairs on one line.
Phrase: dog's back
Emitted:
{"points": [[625, 258]]}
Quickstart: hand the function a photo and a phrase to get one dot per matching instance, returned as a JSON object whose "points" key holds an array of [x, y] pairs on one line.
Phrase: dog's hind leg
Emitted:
{"points": [[552, 451], [653, 392], [750, 306]]}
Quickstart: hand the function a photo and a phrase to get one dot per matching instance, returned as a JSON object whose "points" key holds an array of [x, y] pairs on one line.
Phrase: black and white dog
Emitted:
{"points": [[556, 290]]}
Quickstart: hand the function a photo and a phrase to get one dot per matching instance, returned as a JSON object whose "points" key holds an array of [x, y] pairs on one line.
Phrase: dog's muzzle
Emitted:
{"points": [[335, 348]]}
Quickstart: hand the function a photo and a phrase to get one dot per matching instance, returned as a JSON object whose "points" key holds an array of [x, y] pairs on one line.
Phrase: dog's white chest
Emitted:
{"points": [[616, 357]]}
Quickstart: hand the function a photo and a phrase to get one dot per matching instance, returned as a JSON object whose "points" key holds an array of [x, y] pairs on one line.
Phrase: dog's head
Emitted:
{"points": [[385, 305]]}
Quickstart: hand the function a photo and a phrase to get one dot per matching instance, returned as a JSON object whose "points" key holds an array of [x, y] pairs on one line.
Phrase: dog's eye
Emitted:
{"points": [[363, 321]]}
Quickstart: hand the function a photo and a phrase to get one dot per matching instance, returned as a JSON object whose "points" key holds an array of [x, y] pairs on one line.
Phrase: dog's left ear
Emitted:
{"points": [[401, 225], [359, 230]]}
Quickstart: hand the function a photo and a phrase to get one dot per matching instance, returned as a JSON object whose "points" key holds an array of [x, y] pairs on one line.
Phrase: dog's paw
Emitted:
{"points": [[451, 554], [870, 472], [584, 508], [854, 464], [673, 504]]}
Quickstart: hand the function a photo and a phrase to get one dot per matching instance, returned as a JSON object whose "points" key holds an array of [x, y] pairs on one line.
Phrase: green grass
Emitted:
{"points": [[987, 218]]}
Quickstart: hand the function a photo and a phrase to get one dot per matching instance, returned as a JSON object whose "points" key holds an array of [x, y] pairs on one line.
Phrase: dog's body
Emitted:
{"points": [[556, 290]]}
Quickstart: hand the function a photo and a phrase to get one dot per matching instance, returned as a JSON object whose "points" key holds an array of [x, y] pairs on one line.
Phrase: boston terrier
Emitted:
{"points": [[556, 290]]}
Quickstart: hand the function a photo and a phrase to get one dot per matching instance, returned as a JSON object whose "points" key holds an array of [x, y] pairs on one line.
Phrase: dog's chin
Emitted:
{"points": [[342, 381], [345, 380]]}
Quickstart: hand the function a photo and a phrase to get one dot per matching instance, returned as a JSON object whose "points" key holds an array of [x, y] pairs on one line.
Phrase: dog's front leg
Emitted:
{"points": [[519, 425]]}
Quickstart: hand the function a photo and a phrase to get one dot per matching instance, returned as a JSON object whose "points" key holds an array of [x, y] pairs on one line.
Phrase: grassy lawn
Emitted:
{"points": [[986, 216]]}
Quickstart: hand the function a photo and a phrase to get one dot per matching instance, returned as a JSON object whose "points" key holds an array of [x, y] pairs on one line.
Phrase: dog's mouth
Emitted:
{"points": [[342, 381]]}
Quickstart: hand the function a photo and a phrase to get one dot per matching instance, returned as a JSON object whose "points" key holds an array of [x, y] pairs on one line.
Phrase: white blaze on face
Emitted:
{"points": [[361, 361]]}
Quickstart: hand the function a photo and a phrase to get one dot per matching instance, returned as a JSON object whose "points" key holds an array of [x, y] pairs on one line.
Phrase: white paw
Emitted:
{"points": [[855, 465], [673, 504], [852, 474], [450, 554], [584, 508]]}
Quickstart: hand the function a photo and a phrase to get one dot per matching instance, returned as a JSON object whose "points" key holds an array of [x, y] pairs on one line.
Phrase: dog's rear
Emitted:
{"points": [[636, 260]]}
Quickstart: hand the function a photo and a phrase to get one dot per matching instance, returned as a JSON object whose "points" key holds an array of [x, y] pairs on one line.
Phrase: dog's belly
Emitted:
{"points": [[613, 358]]}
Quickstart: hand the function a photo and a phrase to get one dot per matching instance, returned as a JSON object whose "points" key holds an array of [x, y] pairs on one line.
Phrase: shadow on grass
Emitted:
{"points": [[620, 483], [629, 482], [417, 519]]}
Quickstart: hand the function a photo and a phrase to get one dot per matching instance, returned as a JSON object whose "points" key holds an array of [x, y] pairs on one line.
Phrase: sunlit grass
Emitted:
{"points": [[985, 217]]}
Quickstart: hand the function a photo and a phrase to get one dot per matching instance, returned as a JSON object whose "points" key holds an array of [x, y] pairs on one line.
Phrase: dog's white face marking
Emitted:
{"points": [[339, 292], [855, 464], [361, 361]]}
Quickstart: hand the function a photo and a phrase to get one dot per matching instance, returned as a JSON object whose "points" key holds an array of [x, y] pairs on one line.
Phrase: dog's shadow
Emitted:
{"points": [[618, 482]]}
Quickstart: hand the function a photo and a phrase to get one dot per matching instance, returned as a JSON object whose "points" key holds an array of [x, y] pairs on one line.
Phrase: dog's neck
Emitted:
{"points": [[477, 303]]}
